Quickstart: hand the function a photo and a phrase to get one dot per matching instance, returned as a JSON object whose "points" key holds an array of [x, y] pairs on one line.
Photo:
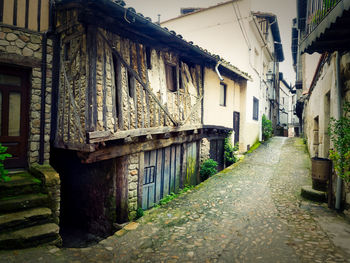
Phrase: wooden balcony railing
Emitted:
{"points": [[317, 10]]}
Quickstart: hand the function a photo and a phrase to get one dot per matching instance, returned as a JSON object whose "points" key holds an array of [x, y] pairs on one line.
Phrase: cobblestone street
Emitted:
{"points": [[250, 212]]}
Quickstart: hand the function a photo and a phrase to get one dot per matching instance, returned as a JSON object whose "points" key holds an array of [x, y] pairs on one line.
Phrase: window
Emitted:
{"points": [[66, 51], [171, 77], [131, 85], [148, 57], [222, 94], [255, 109]]}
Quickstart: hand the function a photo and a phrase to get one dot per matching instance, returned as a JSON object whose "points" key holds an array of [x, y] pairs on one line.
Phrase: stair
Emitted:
{"points": [[25, 219], [20, 184]]}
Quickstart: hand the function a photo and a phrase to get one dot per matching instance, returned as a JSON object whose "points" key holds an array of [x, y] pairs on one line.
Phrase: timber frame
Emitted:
{"points": [[112, 84]]}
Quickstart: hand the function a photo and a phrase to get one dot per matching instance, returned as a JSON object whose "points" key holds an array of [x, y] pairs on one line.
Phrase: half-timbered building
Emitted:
{"points": [[128, 123]]}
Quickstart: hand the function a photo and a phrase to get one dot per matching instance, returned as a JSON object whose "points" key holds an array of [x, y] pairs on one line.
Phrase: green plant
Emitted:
{"points": [[139, 213], [266, 128], [172, 195], [207, 169], [319, 14], [339, 132], [229, 151], [3, 171], [254, 147]]}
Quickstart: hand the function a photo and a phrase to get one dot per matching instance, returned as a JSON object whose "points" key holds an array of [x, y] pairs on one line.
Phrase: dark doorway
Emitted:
{"points": [[217, 152], [14, 102], [236, 120]]}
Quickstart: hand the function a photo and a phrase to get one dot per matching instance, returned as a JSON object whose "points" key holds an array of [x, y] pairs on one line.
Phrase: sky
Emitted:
{"points": [[284, 9]]}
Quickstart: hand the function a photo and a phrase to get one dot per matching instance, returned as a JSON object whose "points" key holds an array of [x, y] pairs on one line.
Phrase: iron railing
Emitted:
{"points": [[317, 10]]}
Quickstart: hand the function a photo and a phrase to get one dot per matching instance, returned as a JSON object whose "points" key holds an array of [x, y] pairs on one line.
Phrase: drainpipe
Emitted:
{"points": [[217, 71], [339, 113], [42, 107], [43, 87]]}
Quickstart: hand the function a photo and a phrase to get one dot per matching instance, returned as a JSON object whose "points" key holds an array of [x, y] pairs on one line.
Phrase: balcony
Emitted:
{"points": [[324, 25]]}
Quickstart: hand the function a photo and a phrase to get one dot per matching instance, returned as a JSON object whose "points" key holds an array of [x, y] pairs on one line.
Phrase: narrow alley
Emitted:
{"points": [[250, 212]]}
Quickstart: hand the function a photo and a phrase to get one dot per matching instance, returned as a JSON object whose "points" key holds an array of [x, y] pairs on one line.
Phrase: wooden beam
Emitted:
{"points": [[122, 189], [100, 136], [119, 86], [126, 149], [92, 53], [137, 77]]}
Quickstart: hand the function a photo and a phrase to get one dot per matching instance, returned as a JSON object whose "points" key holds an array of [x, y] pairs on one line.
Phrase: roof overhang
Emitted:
{"points": [[332, 33], [272, 18], [113, 16]]}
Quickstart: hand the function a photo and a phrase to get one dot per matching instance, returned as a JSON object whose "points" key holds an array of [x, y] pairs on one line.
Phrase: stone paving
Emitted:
{"points": [[250, 212]]}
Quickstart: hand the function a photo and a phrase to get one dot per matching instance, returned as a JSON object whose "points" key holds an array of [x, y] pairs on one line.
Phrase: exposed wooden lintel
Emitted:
{"points": [[126, 149], [100, 136]]}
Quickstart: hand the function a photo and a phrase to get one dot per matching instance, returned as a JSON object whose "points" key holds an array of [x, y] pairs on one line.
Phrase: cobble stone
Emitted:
{"points": [[250, 212]]}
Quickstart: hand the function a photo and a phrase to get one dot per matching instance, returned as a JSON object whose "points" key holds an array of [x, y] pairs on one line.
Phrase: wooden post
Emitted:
{"points": [[92, 54], [183, 169], [122, 172], [140, 179]]}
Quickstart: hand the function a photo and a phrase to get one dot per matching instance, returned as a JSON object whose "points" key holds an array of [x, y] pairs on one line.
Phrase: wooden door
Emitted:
{"points": [[161, 174], [14, 115], [216, 152], [236, 120]]}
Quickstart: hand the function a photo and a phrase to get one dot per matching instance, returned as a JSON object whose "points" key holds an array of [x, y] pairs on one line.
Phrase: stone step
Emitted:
{"points": [[16, 203], [31, 236], [20, 183], [25, 218]]}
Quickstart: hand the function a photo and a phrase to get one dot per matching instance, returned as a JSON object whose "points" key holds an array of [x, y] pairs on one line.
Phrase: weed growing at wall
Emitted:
{"points": [[229, 151], [339, 132], [139, 213], [207, 169], [3, 171], [172, 195]]}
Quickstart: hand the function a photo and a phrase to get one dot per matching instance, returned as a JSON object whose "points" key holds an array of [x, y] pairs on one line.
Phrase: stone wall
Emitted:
{"points": [[24, 48], [52, 185], [133, 173], [316, 108], [204, 150]]}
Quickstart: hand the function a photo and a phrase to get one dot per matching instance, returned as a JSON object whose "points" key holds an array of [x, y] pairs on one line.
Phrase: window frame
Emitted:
{"points": [[224, 86], [255, 108], [171, 77]]}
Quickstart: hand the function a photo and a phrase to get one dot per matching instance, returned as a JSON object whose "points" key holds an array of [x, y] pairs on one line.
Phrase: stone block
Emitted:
{"points": [[11, 37], [20, 43], [13, 49], [4, 43], [36, 39], [27, 52], [33, 47]]}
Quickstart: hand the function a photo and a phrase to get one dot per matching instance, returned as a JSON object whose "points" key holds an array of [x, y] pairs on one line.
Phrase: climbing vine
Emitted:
{"points": [[339, 132], [229, 151]]}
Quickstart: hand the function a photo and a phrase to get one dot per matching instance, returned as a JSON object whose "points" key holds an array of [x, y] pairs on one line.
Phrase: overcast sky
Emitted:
{"points": [[284, 9]]}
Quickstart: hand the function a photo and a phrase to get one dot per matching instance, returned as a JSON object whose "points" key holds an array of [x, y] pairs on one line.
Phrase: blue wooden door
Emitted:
{"points": [[161, 174]]}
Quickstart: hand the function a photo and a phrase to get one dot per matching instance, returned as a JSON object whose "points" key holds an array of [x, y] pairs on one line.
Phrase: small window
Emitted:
{"points": [[131, 85], [66, 51], [171, 77], [222, 94], [255, 109], [148, 57]]}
